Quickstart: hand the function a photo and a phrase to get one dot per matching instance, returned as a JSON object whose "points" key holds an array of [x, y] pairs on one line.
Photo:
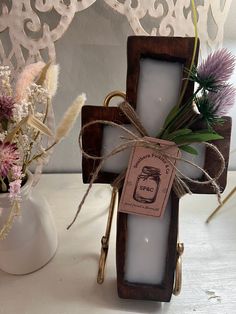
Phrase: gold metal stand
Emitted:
{"points": [[178, 270], [115, 93], [105, 238]]}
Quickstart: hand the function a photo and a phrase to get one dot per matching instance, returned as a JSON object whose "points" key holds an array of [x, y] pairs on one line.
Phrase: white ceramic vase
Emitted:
{"points": [[32, 241]]}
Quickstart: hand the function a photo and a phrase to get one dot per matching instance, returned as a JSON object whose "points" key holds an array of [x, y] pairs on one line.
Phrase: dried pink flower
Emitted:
{"points": [[223, 100], [14, 190], [26, 78], [218, 67], [6, 107], [16, 172], [9, 156]]}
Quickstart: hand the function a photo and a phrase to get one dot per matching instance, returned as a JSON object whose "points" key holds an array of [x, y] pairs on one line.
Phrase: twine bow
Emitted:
{"points": [[180, 187]]}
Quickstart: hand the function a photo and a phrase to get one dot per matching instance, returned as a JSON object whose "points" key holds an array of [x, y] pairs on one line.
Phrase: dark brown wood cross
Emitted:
{"points": [[164, 49]]}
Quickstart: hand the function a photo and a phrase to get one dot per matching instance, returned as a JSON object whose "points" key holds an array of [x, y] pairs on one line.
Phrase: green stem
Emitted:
{"points": [[194, 12], [180, 114], [193, 121], [45, 117], [28, 160], [184, 120], [4, 186], [41, 154]]}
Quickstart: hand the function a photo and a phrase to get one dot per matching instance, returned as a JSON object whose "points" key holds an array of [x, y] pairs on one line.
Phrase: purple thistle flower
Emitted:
{"points": [[223, 100], [9, 156], [218, 67], [6, 107]]}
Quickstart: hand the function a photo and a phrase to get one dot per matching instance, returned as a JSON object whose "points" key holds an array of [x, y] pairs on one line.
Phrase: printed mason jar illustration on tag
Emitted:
{"points": [[147, 185], [149, 178]]}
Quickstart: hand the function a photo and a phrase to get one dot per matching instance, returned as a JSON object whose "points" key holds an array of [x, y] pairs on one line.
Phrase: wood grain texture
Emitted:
{"points": [[212, 163]]}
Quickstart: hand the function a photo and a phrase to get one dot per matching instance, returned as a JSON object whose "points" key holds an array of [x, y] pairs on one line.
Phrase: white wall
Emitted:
{"points": [[230, 25], [230, 43], [92, 56]]}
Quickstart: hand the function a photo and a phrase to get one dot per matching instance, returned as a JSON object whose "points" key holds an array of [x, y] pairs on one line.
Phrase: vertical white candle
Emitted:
{"points": [[147, 248], [158, 91]]}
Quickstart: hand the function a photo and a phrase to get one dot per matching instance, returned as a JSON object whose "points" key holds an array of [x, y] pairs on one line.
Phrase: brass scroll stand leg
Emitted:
{"points": [[105, 239], [178, 270]]}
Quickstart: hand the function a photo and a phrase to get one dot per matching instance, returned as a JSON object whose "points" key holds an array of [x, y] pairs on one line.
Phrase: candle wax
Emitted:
{"points": [[158, 92]]}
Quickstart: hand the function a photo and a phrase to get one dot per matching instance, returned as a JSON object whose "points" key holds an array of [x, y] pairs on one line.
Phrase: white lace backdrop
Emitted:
{"points": [[88, 39]]}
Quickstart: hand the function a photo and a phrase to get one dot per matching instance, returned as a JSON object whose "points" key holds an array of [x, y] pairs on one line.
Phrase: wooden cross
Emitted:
{"points": [[163, 49]]}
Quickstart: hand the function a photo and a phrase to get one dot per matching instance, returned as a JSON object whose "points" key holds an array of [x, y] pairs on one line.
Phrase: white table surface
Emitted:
{"points": [[68, 285]]}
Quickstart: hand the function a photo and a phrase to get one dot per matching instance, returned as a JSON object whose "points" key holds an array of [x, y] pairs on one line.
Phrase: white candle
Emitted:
{"points": [[147, 248], [199, 160], [111, 139], [158, 92]]}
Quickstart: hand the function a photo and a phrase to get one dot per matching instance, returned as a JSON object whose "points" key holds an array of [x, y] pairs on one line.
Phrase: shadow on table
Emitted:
{"points": [[84, 290], [68, 286], [105, 297]]}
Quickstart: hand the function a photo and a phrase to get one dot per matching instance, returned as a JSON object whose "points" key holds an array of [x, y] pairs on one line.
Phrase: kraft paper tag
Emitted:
{"points": [[149, 179]]}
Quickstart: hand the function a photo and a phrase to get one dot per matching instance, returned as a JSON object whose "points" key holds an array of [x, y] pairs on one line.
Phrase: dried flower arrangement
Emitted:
{"points": [[26, 124]]}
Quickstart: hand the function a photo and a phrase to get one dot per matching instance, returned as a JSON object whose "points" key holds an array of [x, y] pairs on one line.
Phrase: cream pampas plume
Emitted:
{"points": [[69, 118], [26, 78], [65, 125], [51, 79]]}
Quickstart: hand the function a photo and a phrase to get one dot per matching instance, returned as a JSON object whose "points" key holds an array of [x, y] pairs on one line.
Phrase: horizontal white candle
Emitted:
{"points": [[199, 160], [111, 139]]}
